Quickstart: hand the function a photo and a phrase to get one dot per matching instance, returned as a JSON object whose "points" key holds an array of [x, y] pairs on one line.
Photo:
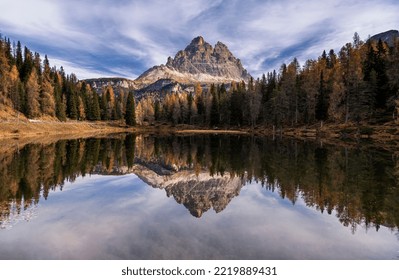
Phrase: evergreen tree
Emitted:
{"points": [[95, 107], [103, 106], [322, 102], [130, 116], [18, 57], [236, 107], [47, 100], [214, 107], [60, 108], [71, 100], [382, 78]]}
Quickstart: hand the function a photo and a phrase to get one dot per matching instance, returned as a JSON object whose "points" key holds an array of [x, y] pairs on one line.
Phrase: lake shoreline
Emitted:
{"points": [[13, 129]]}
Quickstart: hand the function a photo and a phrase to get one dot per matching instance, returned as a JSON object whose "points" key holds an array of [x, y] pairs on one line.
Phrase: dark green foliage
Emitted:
{"points": [[130, 116], [95, 112], [18, 59], [214, 107], [157, 110], [236, 108], [103, 107], [322, 101], [72, 103]]}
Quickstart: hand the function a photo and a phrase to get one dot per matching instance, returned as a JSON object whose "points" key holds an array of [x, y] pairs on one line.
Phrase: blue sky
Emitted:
{"points": [[104, 38]]}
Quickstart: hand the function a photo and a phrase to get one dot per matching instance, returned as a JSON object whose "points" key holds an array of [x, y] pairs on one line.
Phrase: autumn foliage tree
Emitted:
{"points": [[359, 84]]}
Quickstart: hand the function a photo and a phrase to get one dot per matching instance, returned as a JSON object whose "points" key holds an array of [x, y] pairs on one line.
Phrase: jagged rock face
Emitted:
{"points": [[203, 192], [198, 62], [115, 83], [389, 37], [197, 192], [199, 57]]}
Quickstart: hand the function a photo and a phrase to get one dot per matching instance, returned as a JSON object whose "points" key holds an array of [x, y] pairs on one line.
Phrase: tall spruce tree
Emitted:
{"points": [[95, 107], [130, 116], [322, 102]]}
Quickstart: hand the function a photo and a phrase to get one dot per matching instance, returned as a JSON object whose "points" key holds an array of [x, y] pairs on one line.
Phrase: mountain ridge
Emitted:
{"points": [[199, 62], [388, 36]]}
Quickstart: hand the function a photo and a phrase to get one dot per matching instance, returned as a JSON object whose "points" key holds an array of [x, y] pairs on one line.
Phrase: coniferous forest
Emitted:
{"points": [[359, 84]]}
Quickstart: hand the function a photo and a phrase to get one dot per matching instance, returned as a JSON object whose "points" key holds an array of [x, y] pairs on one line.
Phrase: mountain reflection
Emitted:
{"points": [[359, 185]]}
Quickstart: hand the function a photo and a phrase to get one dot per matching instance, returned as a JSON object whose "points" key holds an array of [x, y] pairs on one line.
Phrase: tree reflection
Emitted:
{"points": [[359, 185]]}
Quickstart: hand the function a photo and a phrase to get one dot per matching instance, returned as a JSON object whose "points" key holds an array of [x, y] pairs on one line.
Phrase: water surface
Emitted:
{"points": [[198, 197]]}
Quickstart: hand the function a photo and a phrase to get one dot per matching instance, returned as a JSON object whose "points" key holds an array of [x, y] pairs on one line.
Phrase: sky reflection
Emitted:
{"points": [[121, 217]]}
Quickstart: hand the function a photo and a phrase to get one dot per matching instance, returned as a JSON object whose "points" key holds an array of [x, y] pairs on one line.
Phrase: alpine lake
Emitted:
{"points": [[203, 196]]}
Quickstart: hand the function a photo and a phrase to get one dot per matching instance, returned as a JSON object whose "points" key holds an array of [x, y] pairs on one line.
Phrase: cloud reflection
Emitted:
{"points": [[120, 217]]}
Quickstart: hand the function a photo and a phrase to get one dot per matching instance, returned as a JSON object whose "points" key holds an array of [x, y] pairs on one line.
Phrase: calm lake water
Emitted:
{"points": [[198, 197]]}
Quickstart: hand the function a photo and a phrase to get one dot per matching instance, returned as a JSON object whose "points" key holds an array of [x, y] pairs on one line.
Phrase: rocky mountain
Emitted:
{"points": [[197, 190], [389, 37], [115, 83], [199, 62]]}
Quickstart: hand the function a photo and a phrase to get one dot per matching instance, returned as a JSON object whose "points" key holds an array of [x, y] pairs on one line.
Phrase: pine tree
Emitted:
{"points": [[130, 116], [47, 100], [214, 107], [254, 103], [184, 108], [95, 107], [176, 109], [322, 102], [382, 78], [236, 101], [110, 97], [336, 110], [224, 106], [72, 102], [157, 110], [27, 65], [60, 107], [103, 106], [18, 57], [32, 95]]}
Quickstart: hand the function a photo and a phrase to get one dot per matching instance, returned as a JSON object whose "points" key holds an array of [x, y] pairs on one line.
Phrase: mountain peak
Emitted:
{"points": [[197, 45], [388, 36], [198, 41], [198, 62]]}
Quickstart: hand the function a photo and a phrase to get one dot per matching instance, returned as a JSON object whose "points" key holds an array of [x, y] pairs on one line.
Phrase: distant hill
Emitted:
{"points": [[116, 83], [389, 37]]}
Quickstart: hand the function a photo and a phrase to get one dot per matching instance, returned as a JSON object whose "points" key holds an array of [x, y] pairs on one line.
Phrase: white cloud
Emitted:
{"points": [[80, 71], [145, 33]]}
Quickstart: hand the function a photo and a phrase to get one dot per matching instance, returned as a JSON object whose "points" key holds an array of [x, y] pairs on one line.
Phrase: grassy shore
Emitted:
{"points": [[42, 128], [17, 128]]}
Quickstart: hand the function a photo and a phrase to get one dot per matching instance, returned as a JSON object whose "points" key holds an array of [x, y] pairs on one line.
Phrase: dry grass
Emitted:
{"points": [[15, 129]]}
